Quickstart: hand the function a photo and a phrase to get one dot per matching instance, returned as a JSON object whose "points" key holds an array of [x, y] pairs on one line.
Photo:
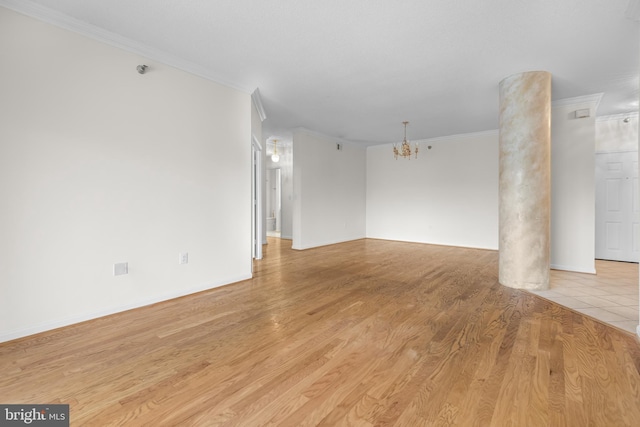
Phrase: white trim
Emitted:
{"points": [[620, 116], [256, 143], [322, 135], [572, 268], [257, 102], [256, 197], [68, 23], [616, 151], [437, 139], [638, 330], [492, 132], [320, 244], [586, 99], [593, 99], [48, 326], [480, 248], [495, 132]]}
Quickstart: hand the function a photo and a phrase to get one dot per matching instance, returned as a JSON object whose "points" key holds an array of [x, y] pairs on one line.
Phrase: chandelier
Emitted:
{"points": [[404, 149], [275, 157]]}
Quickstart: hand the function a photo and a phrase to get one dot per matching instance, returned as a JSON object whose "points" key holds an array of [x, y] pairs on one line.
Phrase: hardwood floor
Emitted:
{"points": [[361, 333]]}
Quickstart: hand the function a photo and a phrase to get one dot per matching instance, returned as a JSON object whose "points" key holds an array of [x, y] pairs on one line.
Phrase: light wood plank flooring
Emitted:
{"points": [[362, 333]]}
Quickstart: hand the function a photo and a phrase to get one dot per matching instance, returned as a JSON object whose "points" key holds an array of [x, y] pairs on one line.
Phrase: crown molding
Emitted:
{"points": [[60, 20], [322, 135], [471, 135], [257, 102], [620, 116], [593, 99], [491, 132]]}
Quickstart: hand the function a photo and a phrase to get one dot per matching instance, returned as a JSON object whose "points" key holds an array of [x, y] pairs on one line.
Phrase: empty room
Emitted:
{"points": [[366, 213]]}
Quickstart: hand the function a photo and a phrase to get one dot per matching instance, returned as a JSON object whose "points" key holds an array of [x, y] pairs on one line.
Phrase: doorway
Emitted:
{"points": [[274, 202], [256, 199], [617, 206]]}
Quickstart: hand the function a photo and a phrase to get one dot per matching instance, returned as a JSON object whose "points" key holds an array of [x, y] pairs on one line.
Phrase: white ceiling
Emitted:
{"points": [[356, 69]]}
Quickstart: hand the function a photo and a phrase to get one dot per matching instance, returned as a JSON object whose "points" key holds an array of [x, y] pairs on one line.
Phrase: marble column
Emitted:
{"points": [[525, 180]]}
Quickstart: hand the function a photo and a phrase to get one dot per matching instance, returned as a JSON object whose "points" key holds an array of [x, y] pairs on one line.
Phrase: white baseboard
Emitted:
{"points": [[574, 269], [59, 323], [426, 242], [327, 243]]}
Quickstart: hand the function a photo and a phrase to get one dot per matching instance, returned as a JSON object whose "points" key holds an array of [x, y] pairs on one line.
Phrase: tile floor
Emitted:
{"points": [[611, 295]]}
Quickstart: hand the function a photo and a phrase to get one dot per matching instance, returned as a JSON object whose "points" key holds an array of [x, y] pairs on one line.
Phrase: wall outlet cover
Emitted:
{"points": [[183, 258], [120, 268]]}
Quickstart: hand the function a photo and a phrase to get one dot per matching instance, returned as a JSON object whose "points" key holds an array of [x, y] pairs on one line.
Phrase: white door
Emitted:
{"points": [[617, 206]]}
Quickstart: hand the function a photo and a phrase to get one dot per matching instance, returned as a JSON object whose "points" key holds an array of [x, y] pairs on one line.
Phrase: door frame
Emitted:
{"points": [[630, 198], [256, 198]]}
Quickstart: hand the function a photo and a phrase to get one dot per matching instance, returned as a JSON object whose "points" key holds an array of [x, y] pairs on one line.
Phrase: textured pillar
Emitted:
{"points": [[525, 180]]}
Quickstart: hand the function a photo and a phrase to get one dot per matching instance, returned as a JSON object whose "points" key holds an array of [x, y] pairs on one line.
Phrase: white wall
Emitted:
{"points": [[98, 165], [613, 134], [573, 188], [286, 170], [448, 196], [329, 191]]}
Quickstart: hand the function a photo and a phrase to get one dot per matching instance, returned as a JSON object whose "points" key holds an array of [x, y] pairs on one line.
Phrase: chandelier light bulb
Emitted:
{"points": [[275, 157]]}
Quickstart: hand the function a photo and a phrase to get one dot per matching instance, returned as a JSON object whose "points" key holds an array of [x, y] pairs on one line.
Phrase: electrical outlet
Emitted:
{"points": [[183, 258], [120, 268]]}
